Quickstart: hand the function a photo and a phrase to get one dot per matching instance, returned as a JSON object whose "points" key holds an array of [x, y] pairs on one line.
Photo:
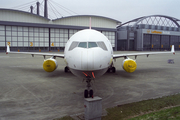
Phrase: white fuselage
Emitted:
{"points": [[88, 53]]}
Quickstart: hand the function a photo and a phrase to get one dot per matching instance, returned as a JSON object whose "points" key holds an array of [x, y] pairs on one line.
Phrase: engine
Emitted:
{"points": [[50, 65], [129, 65]]}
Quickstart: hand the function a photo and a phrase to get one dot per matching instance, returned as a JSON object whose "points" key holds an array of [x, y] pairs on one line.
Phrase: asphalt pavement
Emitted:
{"points": [[28, 92]]}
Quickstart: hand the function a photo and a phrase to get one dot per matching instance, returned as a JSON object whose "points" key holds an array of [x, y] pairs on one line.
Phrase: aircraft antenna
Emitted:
{"points": [[90, 23]]}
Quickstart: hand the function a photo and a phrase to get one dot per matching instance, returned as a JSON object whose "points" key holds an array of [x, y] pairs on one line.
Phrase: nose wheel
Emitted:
{"points": [[88, 93]]}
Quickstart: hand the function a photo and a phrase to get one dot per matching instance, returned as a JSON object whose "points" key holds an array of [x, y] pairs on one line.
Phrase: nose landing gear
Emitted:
{"points": [[88, 92]]}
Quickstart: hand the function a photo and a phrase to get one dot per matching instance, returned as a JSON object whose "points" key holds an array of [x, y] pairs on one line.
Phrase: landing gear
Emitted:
{"points": [[111, 69], [88, 92], [91, 93], [66, 69]]}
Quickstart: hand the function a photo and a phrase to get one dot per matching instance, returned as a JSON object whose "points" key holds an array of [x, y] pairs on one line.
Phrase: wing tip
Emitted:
{"points": [[8, 49], [172, 49]]}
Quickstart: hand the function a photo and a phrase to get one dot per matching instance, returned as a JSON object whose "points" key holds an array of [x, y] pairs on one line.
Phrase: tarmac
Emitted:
{"points": [[27, 92]]}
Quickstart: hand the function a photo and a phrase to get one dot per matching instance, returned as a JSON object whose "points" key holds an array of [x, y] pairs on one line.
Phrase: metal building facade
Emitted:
{"points": [[156, 32], [29, 32]]}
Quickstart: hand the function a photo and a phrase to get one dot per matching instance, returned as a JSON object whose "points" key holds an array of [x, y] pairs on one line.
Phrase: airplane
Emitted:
{"points": [[88, 55]]}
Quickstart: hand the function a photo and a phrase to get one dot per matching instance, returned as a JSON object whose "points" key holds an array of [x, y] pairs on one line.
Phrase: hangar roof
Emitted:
{"points": [[21, 16], [10, 15], [83, 20], [87, 16], [158, 20]]}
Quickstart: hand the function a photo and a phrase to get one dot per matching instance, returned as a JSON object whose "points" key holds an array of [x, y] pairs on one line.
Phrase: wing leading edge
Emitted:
{"points": [[144, 53], [34, 53]]}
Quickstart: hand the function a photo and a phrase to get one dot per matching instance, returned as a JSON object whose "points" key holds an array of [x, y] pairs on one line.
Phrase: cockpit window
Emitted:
{"points": [[92, 44], [87, 45], [73, 45], [102, 45], [83, 44]]}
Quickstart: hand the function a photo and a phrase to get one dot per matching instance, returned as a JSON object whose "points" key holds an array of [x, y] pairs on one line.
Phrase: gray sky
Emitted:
{"points": [[122, 10]]}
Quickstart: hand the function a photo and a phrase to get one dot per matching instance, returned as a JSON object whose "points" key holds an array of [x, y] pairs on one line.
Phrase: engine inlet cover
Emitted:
{"points": [[129, 65], [50, 65]]}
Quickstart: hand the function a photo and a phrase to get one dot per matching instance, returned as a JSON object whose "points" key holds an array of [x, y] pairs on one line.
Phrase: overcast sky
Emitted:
{"points": [[122, 10]]}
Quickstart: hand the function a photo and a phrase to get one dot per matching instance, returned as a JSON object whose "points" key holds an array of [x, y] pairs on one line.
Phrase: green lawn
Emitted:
{"points": [[138, 108], [167, 114]]}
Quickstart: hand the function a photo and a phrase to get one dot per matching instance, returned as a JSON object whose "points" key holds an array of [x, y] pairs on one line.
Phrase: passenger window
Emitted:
{"points": [[92, 44], [83, 44], [73, 45], [102, 45]]}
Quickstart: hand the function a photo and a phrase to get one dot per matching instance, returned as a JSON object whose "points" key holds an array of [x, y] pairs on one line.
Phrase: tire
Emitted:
{"points": [[91, 93], [108, 71], [85, 93], [66, 69], [113, 69]]}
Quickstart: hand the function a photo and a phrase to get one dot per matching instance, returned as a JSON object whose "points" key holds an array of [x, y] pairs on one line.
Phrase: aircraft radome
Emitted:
{"points": [[88, 54]]}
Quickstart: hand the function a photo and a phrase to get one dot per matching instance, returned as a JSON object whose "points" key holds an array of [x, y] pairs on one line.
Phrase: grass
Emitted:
{"points": [[160, 109], [139, 108], [167, 114]]}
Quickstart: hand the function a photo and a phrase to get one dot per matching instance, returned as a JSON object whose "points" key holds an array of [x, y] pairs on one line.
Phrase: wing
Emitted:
{"points": [[35, 53], [144, 53]]}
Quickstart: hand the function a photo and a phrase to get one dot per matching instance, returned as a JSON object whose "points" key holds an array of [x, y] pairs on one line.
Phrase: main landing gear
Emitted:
{"points": [[88, 92], [66, 69], [111, 69]]}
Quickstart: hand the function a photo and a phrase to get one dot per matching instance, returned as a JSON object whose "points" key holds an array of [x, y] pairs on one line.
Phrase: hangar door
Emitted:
{"points": [[165, 42], [121, 45], [151, 42], [175, 40], [146, 42], [156, 42]]}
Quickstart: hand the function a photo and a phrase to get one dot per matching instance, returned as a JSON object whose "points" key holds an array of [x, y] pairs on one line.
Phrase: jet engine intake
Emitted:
{"points": [[129, 65], [50, 65]]}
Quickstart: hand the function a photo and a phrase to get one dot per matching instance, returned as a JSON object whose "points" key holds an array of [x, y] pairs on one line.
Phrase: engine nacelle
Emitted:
{"points": [[129, 65], [50, 65]]}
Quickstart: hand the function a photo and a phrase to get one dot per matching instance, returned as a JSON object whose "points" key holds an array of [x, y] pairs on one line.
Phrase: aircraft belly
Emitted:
{"points": [[92, 74]]}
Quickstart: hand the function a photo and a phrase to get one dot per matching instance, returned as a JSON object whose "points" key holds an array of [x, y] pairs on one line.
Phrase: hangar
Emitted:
{"points": [[155, 32], [25, 31]]}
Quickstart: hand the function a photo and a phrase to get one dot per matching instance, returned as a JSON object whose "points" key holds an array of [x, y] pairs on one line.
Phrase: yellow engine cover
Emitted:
{"points": [[50, 65], [129, 65]]}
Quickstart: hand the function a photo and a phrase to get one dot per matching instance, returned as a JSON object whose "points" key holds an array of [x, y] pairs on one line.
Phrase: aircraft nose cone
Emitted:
{"points": [[87, 60]]}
